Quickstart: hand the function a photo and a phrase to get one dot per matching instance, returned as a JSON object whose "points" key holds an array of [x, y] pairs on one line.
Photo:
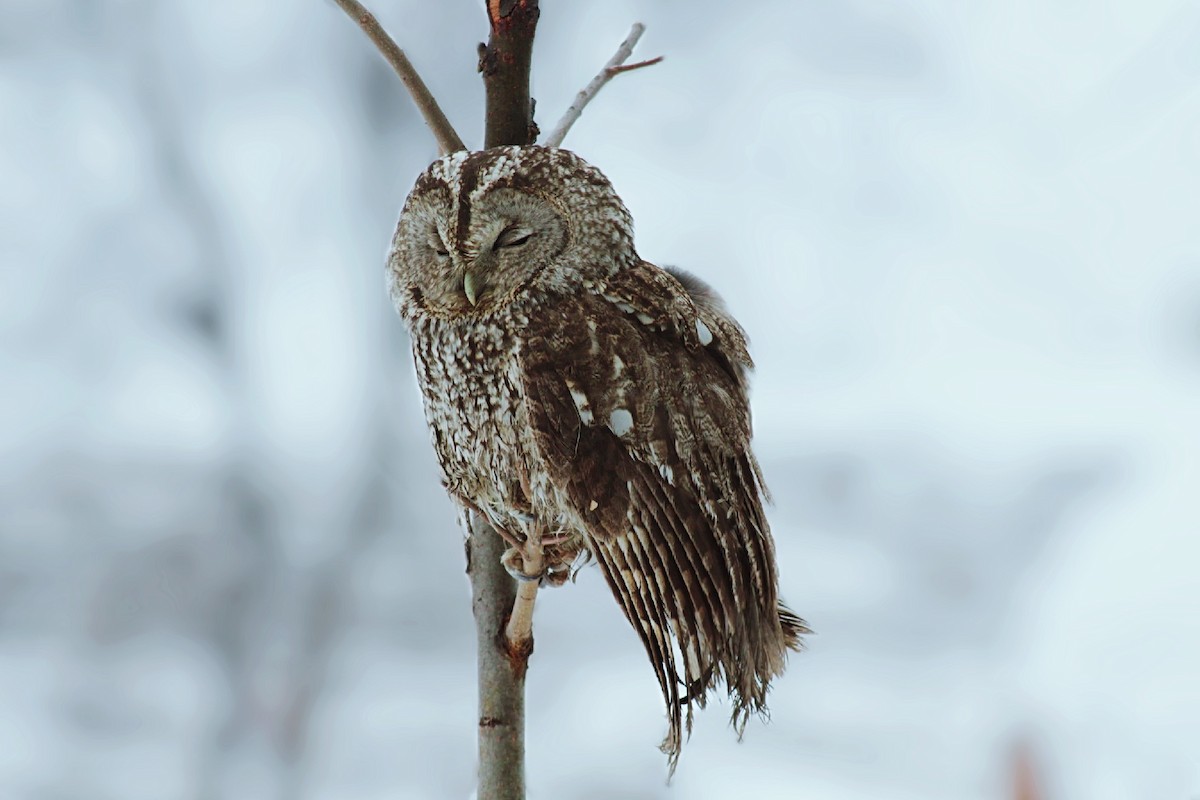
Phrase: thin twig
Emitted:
{"points": [[611, 69], [447, 138], [649, 62], [519, 630]]}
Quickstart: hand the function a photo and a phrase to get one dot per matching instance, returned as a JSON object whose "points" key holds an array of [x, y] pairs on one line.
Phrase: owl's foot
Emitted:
{"points": [[514, 561], [517, 558], [514, 564]]}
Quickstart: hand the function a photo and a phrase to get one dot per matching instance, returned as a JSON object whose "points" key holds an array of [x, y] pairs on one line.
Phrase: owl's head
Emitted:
{"points": [[480, 230]]}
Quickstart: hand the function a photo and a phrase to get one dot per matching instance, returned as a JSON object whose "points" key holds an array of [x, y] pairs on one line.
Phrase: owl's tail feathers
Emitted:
{"points": [[705, 609], [793, 628], [748, 689]]}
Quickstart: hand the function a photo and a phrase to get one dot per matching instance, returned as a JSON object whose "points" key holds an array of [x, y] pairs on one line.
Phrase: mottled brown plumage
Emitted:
{"points": [[570, 385]]}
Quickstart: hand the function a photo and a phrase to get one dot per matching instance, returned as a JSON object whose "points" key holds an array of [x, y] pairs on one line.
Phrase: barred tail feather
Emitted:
{"points": [[702, 599]]}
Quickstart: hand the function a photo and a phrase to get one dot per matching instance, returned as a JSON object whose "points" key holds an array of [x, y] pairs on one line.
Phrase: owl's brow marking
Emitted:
{"points": [[482, 170], [468, 179]]}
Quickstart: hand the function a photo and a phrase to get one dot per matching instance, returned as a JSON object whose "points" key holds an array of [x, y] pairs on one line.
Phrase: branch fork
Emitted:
{"points": [[615, 66], [501, 13]]}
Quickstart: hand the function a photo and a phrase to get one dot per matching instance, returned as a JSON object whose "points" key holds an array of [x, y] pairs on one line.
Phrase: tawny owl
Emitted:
{"points": [[575, 390]]}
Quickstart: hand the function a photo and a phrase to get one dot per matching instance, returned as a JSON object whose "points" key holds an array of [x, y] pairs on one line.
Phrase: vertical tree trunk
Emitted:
{"points": [[501, 673], [504, 62]]}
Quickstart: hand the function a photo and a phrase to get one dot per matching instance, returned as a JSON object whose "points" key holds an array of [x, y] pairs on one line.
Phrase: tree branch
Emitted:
{"points": [[649, 62], [519, 630], [503, 617], [447, 138], [614, 67], [504, 62], [501, 671]]}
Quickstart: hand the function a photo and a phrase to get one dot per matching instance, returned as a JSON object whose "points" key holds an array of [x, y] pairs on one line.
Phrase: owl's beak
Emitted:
{"points": [[471, 287]]}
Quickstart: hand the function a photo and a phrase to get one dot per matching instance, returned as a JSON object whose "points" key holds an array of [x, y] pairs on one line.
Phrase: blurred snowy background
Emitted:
{"points": [[963, 237]]}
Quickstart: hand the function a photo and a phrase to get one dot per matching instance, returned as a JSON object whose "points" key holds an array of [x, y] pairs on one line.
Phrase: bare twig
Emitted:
{"points": [[448, 140], [613, 68], [519, 630], [649, 62]]}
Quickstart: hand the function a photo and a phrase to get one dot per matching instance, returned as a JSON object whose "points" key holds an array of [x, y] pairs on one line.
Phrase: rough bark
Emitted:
{"points": [[504, 62]]}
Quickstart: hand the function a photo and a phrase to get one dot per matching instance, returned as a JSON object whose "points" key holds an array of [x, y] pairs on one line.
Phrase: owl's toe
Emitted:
{"points": [[553, 574], [514, 564], [556, 575]]}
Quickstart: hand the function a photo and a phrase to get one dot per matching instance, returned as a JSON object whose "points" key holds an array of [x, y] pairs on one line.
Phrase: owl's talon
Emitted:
{"points": [[513, 562], [556, 577]]}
